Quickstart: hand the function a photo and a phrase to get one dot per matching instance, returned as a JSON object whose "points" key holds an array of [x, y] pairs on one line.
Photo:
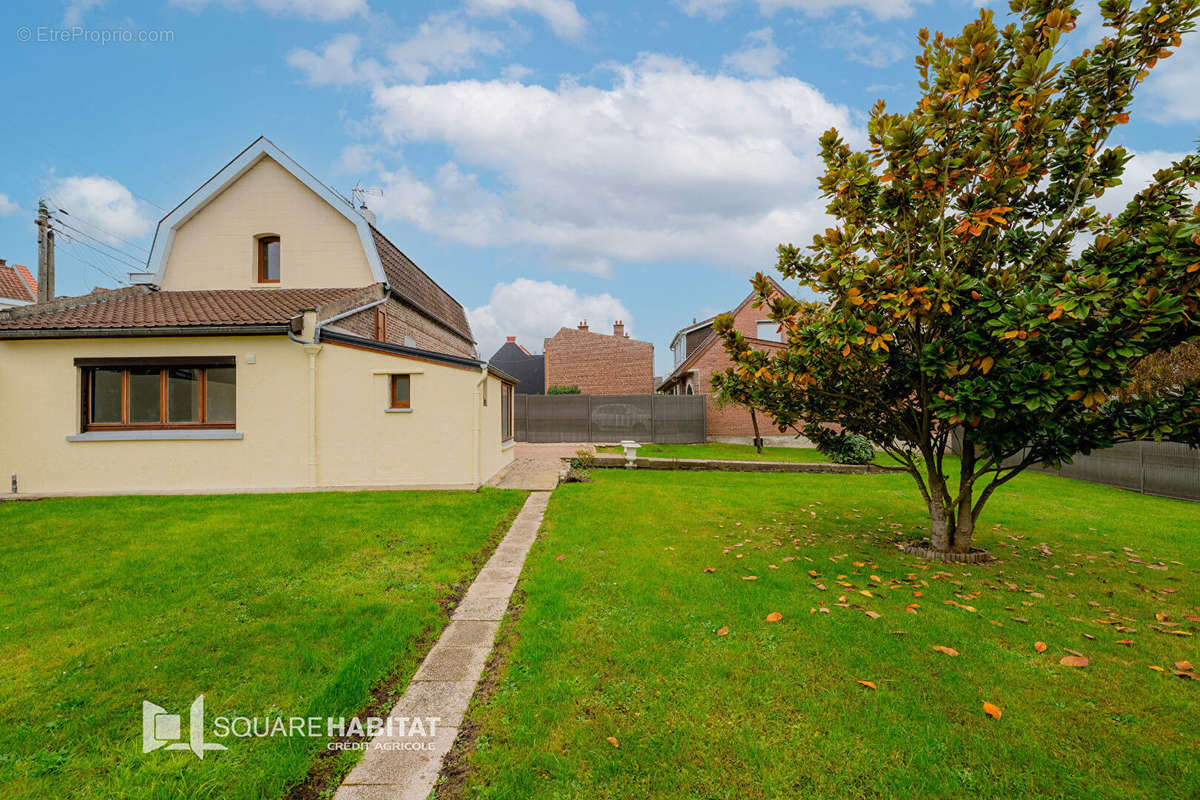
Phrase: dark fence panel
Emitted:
{"points": [[666, 419], [1166, 469]]}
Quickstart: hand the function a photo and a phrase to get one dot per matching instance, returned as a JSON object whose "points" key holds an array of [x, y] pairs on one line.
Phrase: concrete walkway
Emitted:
{"points": [[536, 467], [443, 684]]}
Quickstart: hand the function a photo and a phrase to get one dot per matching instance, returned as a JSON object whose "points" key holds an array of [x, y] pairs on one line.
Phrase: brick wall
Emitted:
{"points": [[404, 321], [731, 420], [599, 363]]}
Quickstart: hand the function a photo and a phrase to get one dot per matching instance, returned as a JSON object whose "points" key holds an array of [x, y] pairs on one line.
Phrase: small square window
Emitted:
{"points": [[400, 391]]}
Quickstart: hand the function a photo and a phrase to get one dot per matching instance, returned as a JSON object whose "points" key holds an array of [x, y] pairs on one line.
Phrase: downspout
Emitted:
{"points": [[308, 339], [477, 433]]}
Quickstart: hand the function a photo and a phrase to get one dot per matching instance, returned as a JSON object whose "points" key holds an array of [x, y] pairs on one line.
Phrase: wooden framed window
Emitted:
{"points": [[401, 391], [506, 412], [268, 259], [147, 394], [380, 324]]}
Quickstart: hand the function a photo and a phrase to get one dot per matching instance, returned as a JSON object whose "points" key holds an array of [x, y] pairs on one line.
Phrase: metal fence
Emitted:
{"points": [[1166, 469], [661, 418]]}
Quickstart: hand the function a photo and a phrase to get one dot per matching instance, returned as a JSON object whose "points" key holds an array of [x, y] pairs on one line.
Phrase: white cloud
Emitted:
{"points": [[851, 37], [441, 44], [623, 173], [337, 63], [324, 10], [758, 57], [883, 9], [1139, 173], [561, 15], [7, 206], [1171, 86], [515, 72], [534, 310], [102, 202], [75, 9]]}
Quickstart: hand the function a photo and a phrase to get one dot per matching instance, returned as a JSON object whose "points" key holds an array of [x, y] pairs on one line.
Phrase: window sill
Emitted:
{"points": [[153, 436], [507, 443], [397, 411]]}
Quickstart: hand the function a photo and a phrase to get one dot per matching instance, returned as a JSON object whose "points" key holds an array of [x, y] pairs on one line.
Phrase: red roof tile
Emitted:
{"points": [[12, 287], [233, 307]]}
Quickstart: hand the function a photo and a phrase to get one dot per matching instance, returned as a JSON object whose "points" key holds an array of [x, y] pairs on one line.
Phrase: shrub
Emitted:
{"points": [[841, 447], [563, 390], [583, 461]]}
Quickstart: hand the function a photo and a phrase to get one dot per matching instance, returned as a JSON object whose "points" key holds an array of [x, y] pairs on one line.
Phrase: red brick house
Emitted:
{"points": [[699, 353], [599, 363]]}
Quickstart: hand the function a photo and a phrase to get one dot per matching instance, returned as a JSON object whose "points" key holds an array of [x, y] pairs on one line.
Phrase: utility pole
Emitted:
{"points": [[45, 292]]}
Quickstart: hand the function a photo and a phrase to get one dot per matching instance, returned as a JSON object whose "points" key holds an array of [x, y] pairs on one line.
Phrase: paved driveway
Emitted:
{"points": [[536, 467]]}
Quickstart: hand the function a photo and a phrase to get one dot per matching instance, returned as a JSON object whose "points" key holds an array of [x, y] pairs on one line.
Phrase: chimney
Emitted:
{"points": [[618, 328], [3, 262], [45, 278], [583, 325], [512, 339]]}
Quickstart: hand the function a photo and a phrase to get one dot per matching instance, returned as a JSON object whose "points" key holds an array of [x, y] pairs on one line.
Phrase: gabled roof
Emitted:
{"points": [[130, 309], [387, 263], [17, 283], [691, 357], [412, 284], [260, 148]]}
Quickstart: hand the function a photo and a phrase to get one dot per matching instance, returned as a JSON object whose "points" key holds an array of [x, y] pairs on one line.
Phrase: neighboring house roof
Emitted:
{"points": [[694, 353], [153, 309], [528, 369], [17, 283], [412, 284]]}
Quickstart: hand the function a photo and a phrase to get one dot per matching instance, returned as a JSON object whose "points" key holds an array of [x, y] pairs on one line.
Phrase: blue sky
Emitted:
{"points": [[544, 160]]}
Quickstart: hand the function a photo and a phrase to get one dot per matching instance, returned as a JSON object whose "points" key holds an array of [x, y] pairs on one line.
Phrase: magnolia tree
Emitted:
{"points": [[970, 287]]}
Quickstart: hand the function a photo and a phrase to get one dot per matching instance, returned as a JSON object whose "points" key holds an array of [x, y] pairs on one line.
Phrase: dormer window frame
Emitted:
{"points": [[261, 243]]}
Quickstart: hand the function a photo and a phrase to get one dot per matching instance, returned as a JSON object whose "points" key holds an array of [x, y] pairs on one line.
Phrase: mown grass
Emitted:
{"points": [[620, 639], [289, 605]]}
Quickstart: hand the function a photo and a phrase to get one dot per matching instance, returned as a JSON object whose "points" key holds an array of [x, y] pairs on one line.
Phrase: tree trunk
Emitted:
{"points": [[951, 525], [757, 439]]}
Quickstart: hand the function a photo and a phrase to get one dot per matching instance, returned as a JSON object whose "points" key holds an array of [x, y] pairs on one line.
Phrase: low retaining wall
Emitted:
{"points": [[612, 461]]}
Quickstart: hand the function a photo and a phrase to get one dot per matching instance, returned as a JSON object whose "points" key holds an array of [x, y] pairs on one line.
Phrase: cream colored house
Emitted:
{"points": [[278, 340]]}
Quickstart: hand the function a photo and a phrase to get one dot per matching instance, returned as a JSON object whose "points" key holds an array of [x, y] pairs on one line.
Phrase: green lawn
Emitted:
{"points": [[268, 604], [723, 452], [620, 638]]}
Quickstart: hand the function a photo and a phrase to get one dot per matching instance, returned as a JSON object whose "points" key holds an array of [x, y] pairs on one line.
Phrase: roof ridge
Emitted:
{"points": [[78, 301]]}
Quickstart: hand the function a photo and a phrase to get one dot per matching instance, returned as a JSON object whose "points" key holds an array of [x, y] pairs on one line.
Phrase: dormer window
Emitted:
{"points": [[268, 259]]}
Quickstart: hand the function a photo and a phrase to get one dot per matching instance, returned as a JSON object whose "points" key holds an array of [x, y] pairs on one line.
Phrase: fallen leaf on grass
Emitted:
{"points": [[1039, 646], [868, 684], [723, 630], [1074, 661], [1186, 666], [560, 558], [1125, 642], [749, 577], [710, 569], [873, 614], [950, 651], [992, 710], [774, 616], [1179, 673], [612, 740], [1155, 667]]}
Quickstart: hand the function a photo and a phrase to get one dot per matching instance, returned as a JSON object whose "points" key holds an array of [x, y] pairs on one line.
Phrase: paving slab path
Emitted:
{"points": [[404, 766]]}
